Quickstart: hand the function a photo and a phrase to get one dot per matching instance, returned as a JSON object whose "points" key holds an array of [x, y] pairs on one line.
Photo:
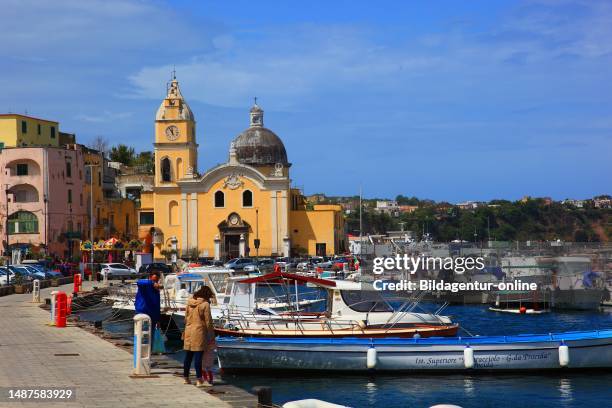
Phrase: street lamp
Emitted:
{"points": [[46, 201], [257, 242], [91, 216], [6, 249], [70, 234]]}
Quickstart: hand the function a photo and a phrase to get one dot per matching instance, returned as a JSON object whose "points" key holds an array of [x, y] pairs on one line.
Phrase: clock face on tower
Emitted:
{"points": [[172, 132]]}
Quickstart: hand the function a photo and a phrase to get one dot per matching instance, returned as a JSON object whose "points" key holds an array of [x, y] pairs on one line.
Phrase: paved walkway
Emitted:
{"points": [[30, 356]]}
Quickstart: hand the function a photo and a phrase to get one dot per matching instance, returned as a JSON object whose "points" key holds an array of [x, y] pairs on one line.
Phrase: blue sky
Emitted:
{"points": [[446, 100]]}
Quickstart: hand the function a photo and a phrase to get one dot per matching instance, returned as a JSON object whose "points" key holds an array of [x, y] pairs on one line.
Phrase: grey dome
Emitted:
{"points": [[258, 145]]}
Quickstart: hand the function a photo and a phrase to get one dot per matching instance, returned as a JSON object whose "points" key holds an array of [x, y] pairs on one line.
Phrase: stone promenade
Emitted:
{"points": [[33, 354]]}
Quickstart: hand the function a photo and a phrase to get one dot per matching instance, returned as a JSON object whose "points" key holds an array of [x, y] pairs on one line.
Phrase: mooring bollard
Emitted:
{"points": [[264, 396], [61, 302], [69, 305], [76, 283], [53, 300], [142, 349], [36, 291]]}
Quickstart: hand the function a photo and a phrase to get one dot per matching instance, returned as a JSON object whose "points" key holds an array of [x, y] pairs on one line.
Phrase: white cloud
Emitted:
{"points": [[287, 65], [105, 116]]}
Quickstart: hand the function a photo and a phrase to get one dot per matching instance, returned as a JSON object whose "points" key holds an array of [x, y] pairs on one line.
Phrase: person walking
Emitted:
{"points": [[199, 332]]}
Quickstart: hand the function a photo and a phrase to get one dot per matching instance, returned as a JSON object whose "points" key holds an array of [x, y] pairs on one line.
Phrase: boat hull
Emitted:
{"points": [[423, 331], [577, 299], [592, 350]]}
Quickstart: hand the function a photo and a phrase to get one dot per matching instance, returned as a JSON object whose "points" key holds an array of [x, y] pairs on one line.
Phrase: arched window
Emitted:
{"points": [[173, 213], [219, 199], [165, 169], [23, 222], [247, 198], [24, 193]]}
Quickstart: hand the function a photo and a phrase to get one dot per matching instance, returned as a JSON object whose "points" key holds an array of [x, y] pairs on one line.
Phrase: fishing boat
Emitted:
{"points": [[353, 309], [525, 353]]}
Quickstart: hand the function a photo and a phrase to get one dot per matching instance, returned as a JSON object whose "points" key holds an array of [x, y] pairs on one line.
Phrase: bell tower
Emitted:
{"points": [[175, 145]]}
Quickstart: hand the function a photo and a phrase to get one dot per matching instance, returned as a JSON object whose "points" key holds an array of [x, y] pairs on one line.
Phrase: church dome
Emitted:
{"points": [[258, 145]]}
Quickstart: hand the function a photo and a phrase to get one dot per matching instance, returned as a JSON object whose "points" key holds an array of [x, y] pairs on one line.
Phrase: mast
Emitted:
{"points": [[360, 223]]}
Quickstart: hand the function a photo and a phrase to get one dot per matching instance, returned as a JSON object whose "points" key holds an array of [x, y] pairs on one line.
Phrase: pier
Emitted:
{"points": [[36, 355]]}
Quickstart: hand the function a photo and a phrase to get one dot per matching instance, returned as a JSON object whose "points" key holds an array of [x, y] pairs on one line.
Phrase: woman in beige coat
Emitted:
{"points": [[199, 333]]}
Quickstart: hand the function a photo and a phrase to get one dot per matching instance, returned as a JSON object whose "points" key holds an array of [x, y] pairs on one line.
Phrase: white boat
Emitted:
{"points": [[352, 309], [523, 353], [519, 310]]}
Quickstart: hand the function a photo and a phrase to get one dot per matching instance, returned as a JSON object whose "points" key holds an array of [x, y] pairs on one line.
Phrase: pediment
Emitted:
{"points": [[232, 175]]}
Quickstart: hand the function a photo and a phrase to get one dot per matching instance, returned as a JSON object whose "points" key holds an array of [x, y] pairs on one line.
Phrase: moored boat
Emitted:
{"points": [[569, 350], [353, 309], [352, 331]]}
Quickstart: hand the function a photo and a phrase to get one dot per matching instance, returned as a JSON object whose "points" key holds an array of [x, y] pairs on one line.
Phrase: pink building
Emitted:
{"points": [[46, 203]]}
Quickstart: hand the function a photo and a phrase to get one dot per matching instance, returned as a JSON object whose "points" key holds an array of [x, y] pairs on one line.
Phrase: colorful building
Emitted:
{"points": [[113, 215], [22, 131], [46, 181], [245, 206], [46, 207]]}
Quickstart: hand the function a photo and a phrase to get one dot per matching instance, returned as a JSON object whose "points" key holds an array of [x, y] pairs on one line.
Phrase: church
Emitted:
{"points": [[243, 207]]}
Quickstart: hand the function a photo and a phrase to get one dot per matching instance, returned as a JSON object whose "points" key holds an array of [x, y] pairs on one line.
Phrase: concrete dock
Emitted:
{"points": [[34, 354]]}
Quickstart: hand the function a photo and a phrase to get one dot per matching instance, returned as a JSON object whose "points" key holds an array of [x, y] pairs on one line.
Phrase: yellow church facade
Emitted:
{"points": [[243, 207]]}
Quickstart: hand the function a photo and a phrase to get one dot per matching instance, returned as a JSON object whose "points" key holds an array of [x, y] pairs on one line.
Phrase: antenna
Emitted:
{"points": [[255, 99], [173, 72]]}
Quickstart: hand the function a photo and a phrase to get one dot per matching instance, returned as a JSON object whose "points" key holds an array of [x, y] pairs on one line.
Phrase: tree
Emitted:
{"points": [[123, 154], [145, 161], [99, 143]]}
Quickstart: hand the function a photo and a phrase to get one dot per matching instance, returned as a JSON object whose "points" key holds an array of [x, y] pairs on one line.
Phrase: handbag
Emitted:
{"points": [[159, 342]]}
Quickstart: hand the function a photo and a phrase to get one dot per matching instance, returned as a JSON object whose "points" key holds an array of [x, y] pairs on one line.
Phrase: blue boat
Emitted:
{"points": [[525, 352]]}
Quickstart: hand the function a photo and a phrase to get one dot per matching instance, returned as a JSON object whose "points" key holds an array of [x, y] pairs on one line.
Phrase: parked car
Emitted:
{"points": [[21, 271], [325, 263], [117, 270], [238, 264], [210, 262], [155, 267], [287, 261], [264, 265], [39, 271], [308, 264], [34, 272], [4, 272]]}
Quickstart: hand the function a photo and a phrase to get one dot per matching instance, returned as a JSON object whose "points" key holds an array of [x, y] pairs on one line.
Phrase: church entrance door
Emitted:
{"points": [[230, 231], [232, 246]]}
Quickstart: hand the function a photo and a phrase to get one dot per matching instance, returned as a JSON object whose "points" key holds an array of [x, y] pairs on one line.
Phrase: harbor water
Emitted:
{"points": [[571, 389]]}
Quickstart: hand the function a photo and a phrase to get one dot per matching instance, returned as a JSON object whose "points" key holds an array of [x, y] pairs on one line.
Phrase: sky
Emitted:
{"points": [[445, 100]]}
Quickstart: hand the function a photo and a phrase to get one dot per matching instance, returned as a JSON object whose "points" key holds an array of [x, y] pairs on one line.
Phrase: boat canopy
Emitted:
{"points": [[275, 276]]}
